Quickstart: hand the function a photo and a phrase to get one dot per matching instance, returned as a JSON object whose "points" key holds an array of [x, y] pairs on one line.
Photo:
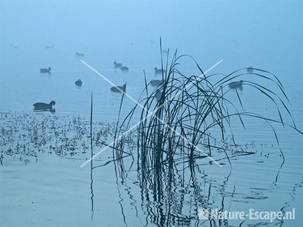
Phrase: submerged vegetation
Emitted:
{"points": [[26, 135]]}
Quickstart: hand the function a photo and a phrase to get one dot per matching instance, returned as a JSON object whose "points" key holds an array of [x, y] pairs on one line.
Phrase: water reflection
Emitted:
{"points": [[169, 193], [173, 192]]}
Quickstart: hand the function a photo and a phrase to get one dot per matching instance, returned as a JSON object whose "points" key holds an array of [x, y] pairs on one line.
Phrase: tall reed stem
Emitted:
{"points": [[91, 156]]}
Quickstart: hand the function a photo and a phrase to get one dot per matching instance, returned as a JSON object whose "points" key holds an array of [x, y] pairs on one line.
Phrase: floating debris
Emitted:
{"points": [[46, 70], [119, 89], [256, 197], [79, 83], [236, 85]]}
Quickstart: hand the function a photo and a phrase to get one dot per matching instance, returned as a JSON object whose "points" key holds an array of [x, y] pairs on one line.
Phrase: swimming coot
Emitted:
{"points": [[46, 70], [155, 83], [159, 71], [124, 68], [118, 89], [250, 70], [78, 54], [236, 85], [41, 106], [79, 83], [117, 65]]}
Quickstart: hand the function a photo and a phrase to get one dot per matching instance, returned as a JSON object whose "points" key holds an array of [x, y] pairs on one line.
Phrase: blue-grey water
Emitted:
{"points": [[55, 191]]}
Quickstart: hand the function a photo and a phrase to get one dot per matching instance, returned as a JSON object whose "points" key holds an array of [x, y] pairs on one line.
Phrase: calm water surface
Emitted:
{"points": [[52, 190]]}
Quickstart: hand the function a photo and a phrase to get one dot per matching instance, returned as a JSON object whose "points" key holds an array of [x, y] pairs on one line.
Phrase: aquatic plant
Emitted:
{"points": [[184, 114], [23, 135], [187, 121]]}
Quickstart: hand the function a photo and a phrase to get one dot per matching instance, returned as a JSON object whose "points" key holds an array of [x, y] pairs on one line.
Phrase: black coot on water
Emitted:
{"points": [[44, 107], [236, 85], [118, 89], [79, 83], [117, 65], [124, 68], [159, 71], [46, 70], [155, 83]]}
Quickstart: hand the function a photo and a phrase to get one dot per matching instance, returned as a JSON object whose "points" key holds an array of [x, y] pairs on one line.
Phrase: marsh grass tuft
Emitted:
{"points": [[187, 121], [191, 116]]}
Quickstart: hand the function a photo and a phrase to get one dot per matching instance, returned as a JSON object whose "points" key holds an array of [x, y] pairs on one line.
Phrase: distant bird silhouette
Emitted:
{"points": [[42, 107], [79, 83], [159, 71], [15, 46], [250, 70], [46, 70], [49, 46], [124, 68], [119, 89], [78, 54], [236, 85], [117, 65], [155, 83]]}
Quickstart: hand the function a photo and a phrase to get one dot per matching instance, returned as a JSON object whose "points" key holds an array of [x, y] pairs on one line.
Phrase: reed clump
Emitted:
{"points": [[190, 117], [188, 121]]}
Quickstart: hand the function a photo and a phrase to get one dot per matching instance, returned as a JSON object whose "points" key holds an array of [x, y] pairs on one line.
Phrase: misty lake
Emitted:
{"points": [[225, 134]]}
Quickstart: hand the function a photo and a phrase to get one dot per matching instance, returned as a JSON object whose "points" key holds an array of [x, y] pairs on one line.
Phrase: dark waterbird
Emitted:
{"points": [[124, 68], [118, 89], [44, 107], [155, 83], [49, 46], [117, 65], [15, 46], [46, 70], [79, 54], [250, 69], [159, 71], [79, 83], [236, 85]]}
